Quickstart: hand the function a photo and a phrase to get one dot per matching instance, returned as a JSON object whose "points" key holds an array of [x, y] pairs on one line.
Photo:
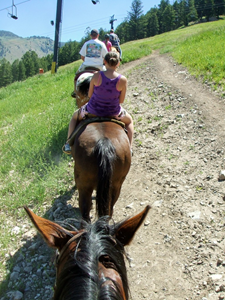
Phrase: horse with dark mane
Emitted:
{"points": [[90, 263], [102, 155]]}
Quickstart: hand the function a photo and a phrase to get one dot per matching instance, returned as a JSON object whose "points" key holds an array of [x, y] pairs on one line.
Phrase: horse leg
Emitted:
{"points": [[85, 203], [115, 192]]}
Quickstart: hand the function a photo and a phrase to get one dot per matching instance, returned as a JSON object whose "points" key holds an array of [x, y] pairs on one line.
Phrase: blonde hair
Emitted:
{"points": [[112, 58]]}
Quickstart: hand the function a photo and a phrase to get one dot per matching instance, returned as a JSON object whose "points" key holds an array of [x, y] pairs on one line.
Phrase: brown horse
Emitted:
{"points": [[102, 155], [90, 264], [115, 49]]}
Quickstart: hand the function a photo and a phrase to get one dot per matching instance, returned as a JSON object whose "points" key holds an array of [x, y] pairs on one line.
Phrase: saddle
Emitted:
{"points": [[92, 119]]}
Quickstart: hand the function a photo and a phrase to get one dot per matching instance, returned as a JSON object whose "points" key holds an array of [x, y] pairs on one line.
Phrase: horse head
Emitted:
{"points": [[90, 263], [82, 83]]}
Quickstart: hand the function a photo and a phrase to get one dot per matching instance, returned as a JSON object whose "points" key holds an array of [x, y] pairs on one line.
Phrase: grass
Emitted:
{"points": [[35, 116], [203, 54], [135, 50], [197, 47]]}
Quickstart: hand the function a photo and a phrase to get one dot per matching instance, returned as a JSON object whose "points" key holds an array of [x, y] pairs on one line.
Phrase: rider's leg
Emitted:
{"points": [[81, 68], [120, 51], [72, 125], [128, 121], [73, 122]]}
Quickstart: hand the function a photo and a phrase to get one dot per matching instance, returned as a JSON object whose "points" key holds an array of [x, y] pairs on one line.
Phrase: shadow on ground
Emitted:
{"points": [[31, 268]]}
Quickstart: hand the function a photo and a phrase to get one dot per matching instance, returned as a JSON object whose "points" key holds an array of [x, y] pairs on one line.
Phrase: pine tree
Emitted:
{"points": [[5, 73], [35, 60], [192, 15], [29, 64], [162, 6], [43, 63], [15, 70], [153, 24], [219, 7], [209, 9], [123, 32], [200, 7], [178, 17], [22, 71], [134, 16], [168, 19], [184, 13]]}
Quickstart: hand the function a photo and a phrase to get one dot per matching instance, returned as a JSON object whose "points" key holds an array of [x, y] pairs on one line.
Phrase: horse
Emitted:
{"points": [[102, 159], [117, 49], [90, 263], [102, 156]]}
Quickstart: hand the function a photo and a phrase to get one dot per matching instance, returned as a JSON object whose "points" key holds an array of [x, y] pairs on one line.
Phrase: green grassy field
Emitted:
{"points": [[35, 116]]}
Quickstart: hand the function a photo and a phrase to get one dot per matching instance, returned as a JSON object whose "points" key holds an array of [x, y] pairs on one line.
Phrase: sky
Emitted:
{"points": [[34, 16]]}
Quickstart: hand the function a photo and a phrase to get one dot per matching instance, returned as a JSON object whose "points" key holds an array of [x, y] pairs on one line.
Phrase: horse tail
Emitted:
{"points": [[106, 155]]}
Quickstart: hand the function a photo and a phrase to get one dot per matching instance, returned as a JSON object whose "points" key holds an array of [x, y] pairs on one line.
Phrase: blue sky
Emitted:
{"points": [[34, 16]]}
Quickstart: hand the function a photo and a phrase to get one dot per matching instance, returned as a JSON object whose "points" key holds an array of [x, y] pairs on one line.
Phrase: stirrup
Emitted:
{"points": [[66, 152]]}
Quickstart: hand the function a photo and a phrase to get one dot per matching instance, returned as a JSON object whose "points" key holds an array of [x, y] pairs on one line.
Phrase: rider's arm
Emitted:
{"points": [[82, 57], [123, 88]]}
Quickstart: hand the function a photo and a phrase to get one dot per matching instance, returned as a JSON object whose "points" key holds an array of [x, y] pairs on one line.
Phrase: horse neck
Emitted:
{"points": [[79, 278]]}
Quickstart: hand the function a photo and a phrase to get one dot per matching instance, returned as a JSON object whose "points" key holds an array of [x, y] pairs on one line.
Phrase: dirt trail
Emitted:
{"points": [[178, 155]]}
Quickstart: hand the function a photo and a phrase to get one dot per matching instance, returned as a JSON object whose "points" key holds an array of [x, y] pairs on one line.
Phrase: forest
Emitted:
{"points": [[166, 17]]}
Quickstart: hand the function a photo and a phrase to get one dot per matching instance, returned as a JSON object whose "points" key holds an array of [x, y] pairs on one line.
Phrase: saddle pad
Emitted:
{"points": [[91, 120]]}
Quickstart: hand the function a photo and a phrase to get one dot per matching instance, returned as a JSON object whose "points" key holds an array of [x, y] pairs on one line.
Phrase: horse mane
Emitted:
{"points": [[79, 280]]}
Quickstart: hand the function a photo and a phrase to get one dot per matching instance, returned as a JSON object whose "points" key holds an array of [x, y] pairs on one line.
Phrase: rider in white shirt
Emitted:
{"points": [[93, 52]]}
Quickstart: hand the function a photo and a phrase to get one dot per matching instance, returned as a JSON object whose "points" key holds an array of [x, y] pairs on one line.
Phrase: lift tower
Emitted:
{"points": [[111, 20]]}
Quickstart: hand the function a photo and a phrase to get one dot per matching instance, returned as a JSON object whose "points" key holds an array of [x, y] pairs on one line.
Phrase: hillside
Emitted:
{"points": [[14, 47]]}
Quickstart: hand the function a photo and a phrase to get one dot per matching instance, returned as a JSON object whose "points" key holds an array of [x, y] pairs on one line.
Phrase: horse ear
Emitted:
{"points": [[126, 230], [55, 235]]}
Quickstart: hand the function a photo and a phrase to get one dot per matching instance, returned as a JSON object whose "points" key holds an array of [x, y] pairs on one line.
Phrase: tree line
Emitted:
{"points": [[30, 63], [164, 18], [21, 69], [167, 17]]}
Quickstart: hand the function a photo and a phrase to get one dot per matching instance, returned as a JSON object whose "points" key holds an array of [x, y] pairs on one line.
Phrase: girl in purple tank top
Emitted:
{"points": [[106, 92]]}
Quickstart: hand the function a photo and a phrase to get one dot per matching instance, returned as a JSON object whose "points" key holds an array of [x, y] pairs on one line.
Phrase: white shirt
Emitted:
{"points": [[94, 52]]}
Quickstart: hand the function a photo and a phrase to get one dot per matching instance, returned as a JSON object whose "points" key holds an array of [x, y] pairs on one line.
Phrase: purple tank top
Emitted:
{"points": [[105, 98]]}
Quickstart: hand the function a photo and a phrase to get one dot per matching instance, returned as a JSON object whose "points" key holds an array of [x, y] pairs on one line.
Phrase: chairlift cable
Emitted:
{"points": [[16, 4]]}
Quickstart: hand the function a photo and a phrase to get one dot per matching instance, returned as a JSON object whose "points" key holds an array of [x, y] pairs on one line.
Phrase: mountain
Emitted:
{"points": [[13, 47]]}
